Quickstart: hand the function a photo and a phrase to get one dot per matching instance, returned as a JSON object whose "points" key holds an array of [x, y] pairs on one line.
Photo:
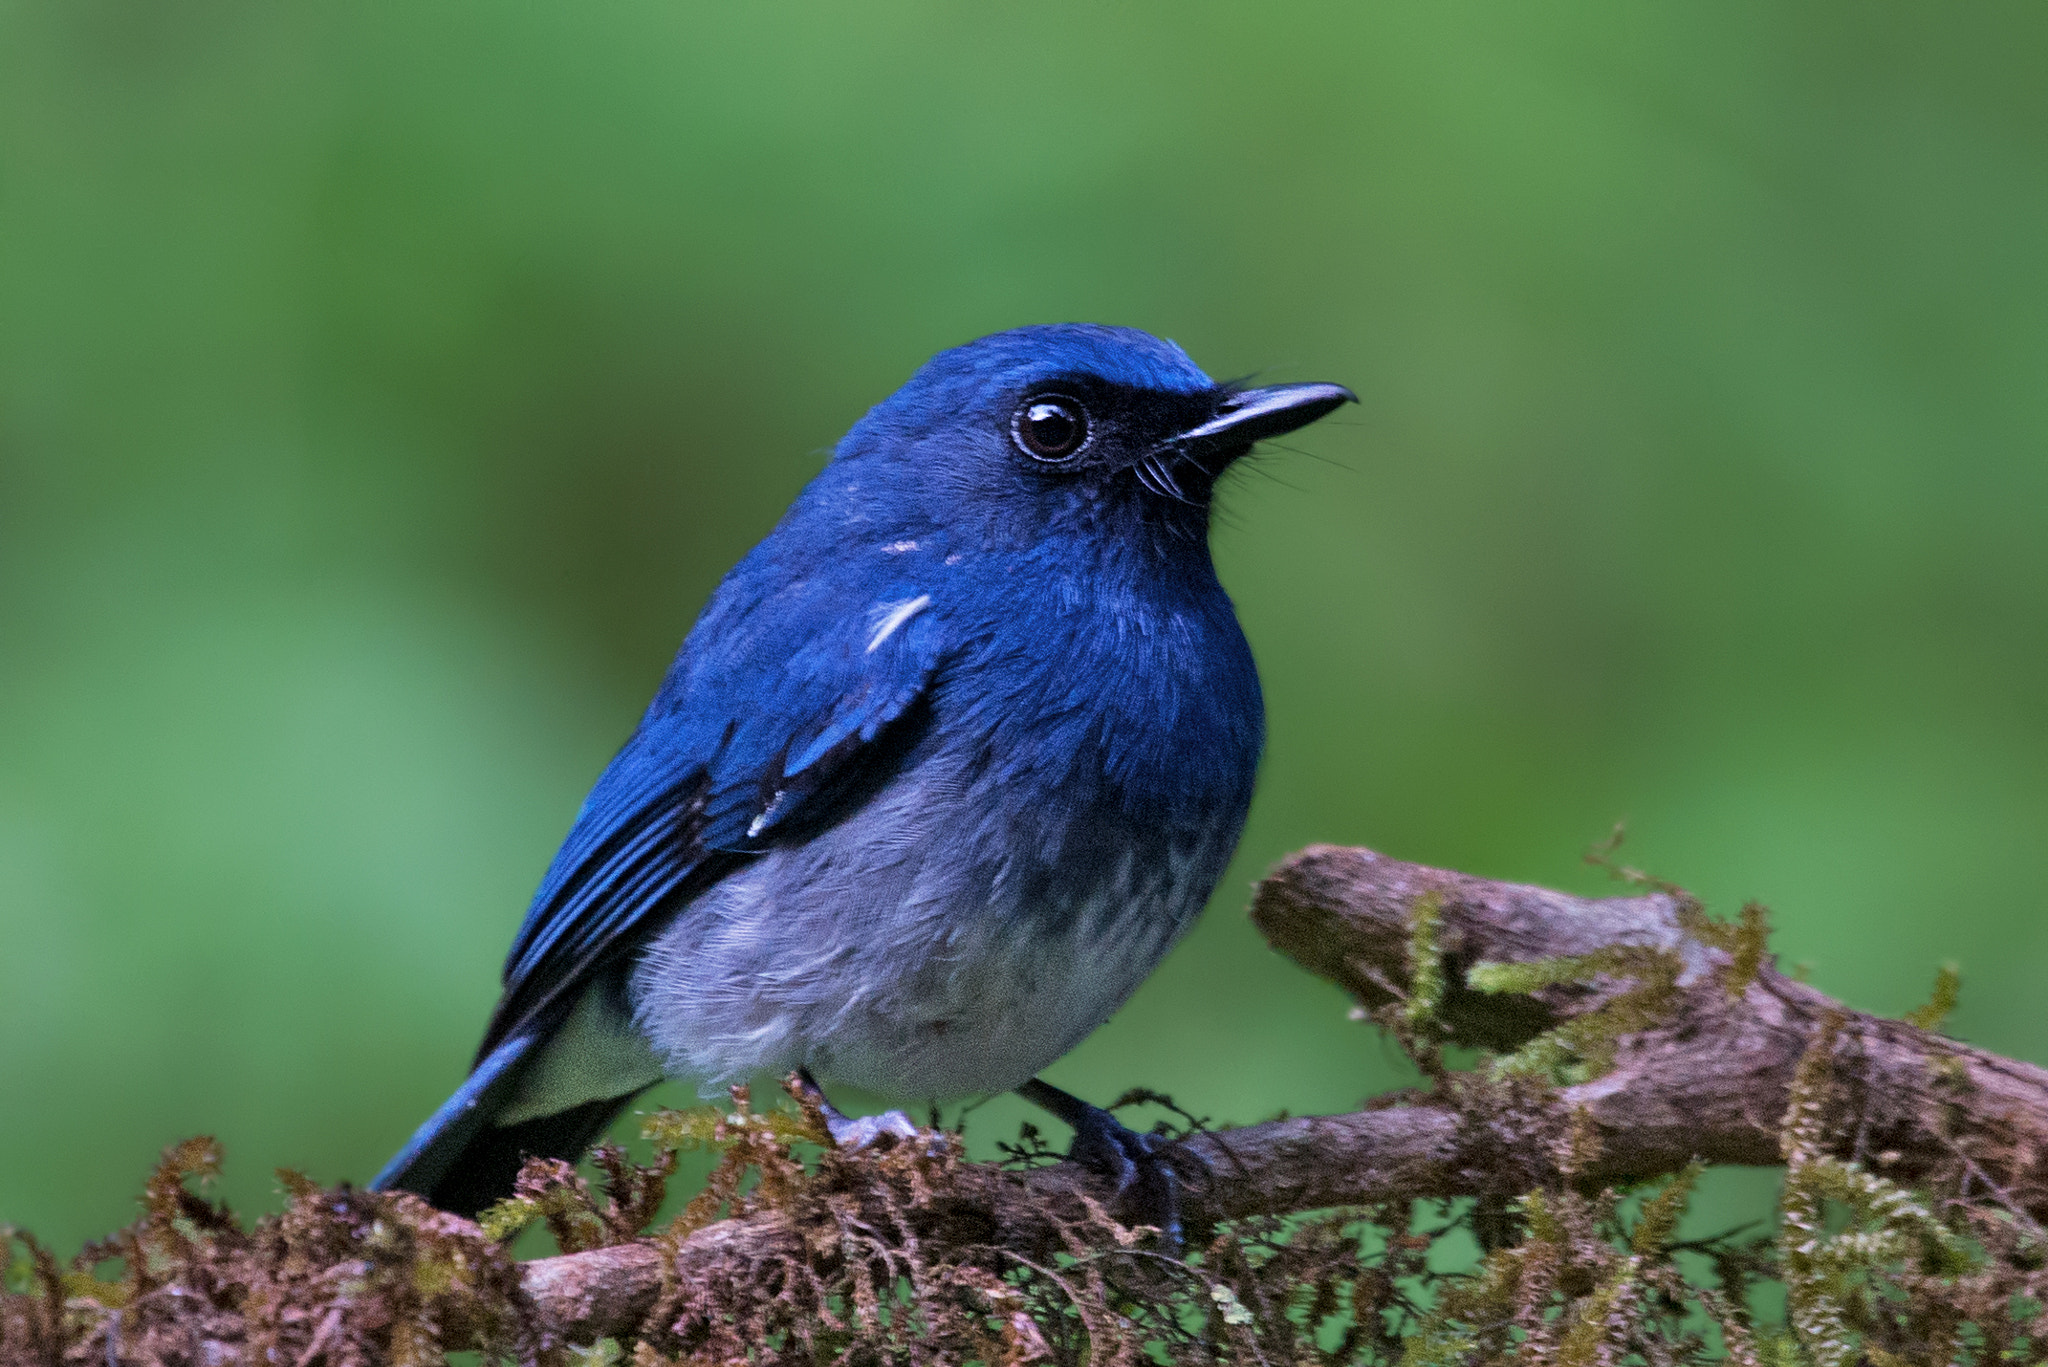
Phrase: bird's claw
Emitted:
{"points": [[853, 1132], [858, 1132], [1148, 1190]]}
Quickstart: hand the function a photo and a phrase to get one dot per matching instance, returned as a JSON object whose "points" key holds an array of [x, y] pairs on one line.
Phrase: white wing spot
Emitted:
{"points": [[896, 616], [760, 823]]}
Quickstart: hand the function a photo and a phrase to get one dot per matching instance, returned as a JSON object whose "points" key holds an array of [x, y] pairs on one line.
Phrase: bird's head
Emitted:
{"points": [[1074, 425]]}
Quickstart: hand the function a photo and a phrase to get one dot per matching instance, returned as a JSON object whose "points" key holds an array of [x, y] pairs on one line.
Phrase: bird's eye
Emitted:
{"points": [[1050, 427]]}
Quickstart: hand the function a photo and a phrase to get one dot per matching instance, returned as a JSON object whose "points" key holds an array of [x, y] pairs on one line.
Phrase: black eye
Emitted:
{"points": [[1050, 427]]}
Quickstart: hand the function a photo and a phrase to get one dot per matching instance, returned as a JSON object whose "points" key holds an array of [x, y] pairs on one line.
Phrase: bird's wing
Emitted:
{"points": [[761, 729]]}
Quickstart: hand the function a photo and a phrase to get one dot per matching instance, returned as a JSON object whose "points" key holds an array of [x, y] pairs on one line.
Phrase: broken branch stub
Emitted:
{"points": [[1708, 1074]]}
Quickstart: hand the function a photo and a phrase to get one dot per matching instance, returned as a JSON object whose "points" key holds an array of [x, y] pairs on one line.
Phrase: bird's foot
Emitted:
{"points": [[857, 1132], [1148, 1189], [849, 1132]]}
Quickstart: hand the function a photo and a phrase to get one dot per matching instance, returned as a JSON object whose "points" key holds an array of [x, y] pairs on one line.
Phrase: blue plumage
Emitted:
{"points": [[944, 768]]}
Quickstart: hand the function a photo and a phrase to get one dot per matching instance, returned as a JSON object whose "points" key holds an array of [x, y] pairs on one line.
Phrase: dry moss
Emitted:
{"points": [[890, 1268], [339, 1277]]}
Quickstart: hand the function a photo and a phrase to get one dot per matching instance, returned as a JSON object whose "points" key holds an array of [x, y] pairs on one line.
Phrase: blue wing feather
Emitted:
{"points": [[708, 781]]}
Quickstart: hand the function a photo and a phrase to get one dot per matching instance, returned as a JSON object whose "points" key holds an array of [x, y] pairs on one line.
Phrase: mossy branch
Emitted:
{"points": [[1693, 1070], [1701, 1072], [1634, 1038]]}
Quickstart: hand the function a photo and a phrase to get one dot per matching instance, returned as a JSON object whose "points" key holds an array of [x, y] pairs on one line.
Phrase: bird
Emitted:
{"points": [[945, 766]]}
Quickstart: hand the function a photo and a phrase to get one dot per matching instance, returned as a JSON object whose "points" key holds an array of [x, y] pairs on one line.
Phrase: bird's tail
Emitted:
{"points": [[460, 1160]]}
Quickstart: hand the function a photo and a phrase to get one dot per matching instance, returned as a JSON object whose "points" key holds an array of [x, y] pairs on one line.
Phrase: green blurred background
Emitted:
{"points": [[383, 387]]}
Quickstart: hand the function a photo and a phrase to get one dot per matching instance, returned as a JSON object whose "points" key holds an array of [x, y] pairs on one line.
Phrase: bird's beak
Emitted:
{"points": [[1252, 415]]}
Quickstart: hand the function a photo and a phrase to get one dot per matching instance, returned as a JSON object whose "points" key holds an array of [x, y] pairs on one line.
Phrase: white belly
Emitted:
{"points": [[864, 955]]}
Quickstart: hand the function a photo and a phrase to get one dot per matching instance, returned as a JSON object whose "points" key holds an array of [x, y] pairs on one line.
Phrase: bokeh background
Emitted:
{"points": [[383, 387]]}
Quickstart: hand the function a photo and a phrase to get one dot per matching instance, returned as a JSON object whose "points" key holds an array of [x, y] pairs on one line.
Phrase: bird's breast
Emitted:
{"points": [[1081, 767], [951, 936], [1120, 704]]}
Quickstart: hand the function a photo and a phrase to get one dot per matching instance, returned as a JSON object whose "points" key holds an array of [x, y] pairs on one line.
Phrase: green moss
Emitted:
{"points": [[1744, 940], [1851, 1241], [1948, 990], [1425, 962], [1583, 1047]]}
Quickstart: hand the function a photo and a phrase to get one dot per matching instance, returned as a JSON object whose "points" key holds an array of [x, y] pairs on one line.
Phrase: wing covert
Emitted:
{"points": [[717, 768]]}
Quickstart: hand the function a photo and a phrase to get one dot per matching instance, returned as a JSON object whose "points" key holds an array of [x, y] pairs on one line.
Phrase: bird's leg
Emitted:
{"points": [[849, 1132], [1147, 1187]]}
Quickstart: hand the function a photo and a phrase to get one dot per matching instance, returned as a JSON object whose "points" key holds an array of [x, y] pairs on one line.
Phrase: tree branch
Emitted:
{"points": [[1712, 1077], [1708, 1079]]}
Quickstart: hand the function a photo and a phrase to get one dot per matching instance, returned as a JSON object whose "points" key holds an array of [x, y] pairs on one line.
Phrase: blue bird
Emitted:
{"points": [[948, 763]]}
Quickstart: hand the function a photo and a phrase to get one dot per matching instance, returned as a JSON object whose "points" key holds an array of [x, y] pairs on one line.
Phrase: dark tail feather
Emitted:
{"points": [[487, 1166], [461, 1162]]}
